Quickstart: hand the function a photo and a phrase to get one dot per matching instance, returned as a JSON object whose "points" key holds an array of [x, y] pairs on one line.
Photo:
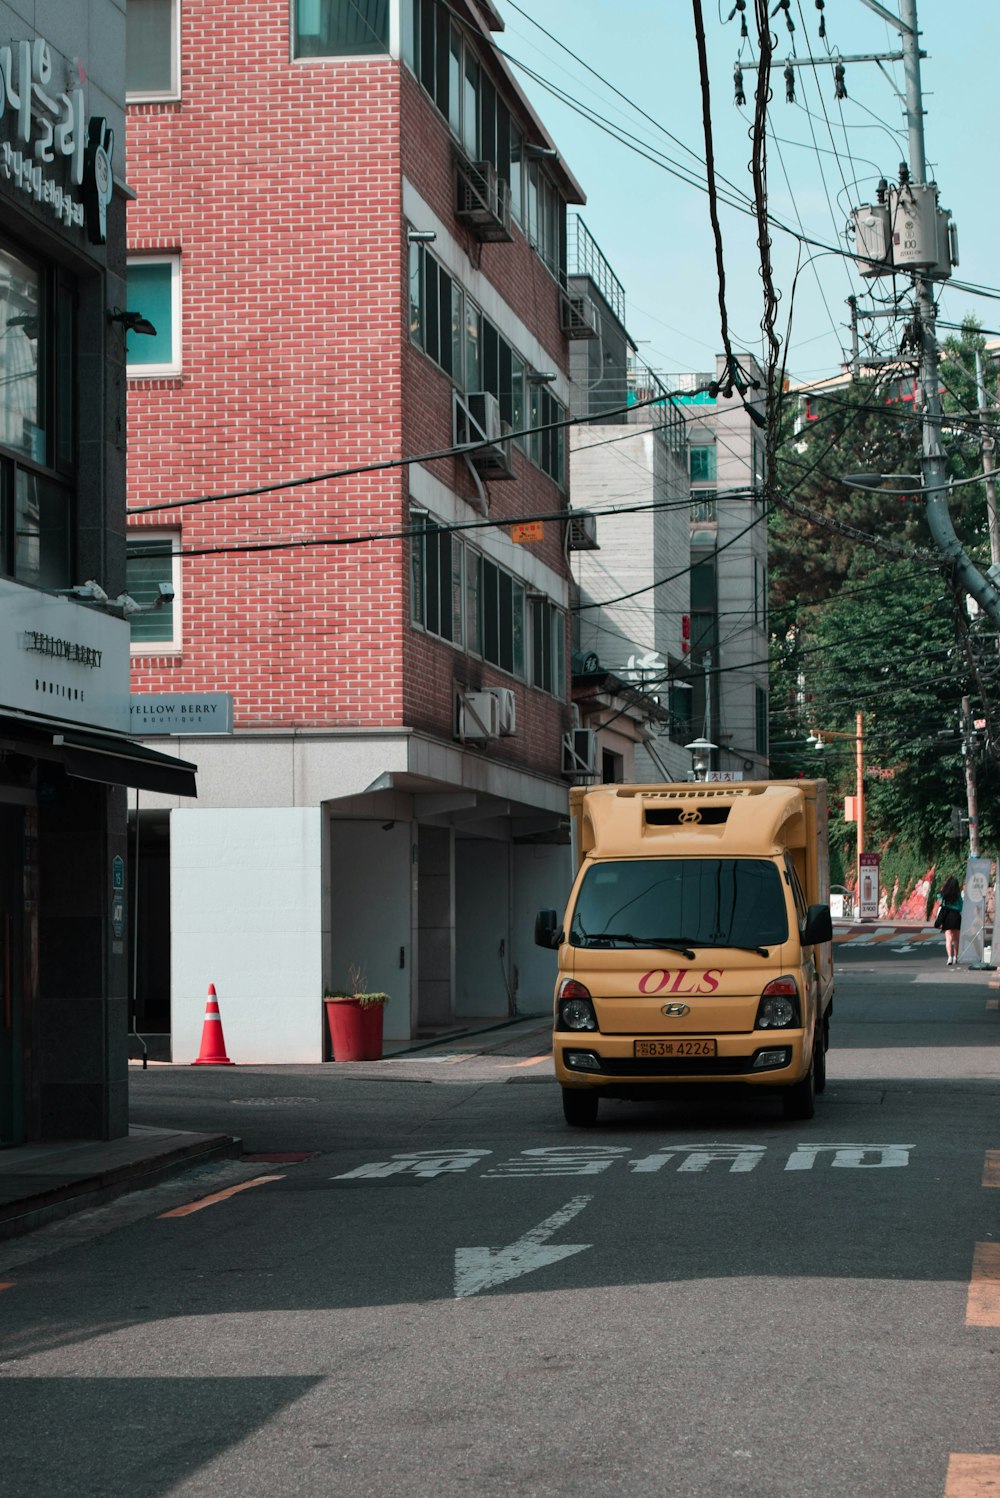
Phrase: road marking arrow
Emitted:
{"points": [[481, 1268]]}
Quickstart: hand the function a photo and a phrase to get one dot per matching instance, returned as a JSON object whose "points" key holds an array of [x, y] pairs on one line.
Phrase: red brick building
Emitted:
{"points": [[349, 236]]}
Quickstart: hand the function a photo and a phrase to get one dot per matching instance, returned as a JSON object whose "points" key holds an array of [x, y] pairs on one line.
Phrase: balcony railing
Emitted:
{"points": [[585, 258]]}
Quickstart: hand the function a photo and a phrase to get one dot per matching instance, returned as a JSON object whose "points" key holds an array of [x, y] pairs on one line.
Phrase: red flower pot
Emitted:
{"points": [[355, 1030]]}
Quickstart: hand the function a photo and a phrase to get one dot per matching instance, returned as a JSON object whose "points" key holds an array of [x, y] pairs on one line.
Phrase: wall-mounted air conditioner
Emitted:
{"points": [[583, 532], [484, 424], [482, 200], [579, 752], [478, 716], [577, 315], [508, 709]]}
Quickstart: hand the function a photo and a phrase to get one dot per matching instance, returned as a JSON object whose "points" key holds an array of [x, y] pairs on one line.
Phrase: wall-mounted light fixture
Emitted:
{"points": [[548, 152], [26, 320], [421, 236], [132, 322], [541, 377]]}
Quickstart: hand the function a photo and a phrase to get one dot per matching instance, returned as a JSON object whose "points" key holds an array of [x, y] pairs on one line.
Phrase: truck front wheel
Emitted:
{"points": [[800, 1101], [579, 1107]]}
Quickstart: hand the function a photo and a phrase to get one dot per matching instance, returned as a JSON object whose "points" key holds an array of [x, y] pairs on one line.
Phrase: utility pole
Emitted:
{"points": [[988, 444], [933, 468], [968, 745]]}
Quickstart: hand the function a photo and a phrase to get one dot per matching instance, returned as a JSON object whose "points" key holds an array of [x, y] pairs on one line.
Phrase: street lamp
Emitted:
{"points": [[700, 749], [817, 739]]}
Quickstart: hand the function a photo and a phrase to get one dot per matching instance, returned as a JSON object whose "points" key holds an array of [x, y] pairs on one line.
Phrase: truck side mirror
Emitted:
{"points": [[547, 931], [818, 927]]}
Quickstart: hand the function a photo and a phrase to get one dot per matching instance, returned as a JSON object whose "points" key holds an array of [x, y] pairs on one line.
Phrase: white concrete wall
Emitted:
{"points": [[245, 896]]}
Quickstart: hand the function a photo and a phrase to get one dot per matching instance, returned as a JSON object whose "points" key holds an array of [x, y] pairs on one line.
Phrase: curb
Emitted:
{"points": [[40, 1206]]}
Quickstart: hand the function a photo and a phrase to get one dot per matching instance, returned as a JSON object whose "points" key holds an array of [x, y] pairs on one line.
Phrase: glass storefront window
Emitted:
{"points": [[22, 344], [41, 531]]}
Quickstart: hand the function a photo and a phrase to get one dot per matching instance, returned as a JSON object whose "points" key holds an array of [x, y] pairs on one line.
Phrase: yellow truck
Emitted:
{"points": [[697, 943]]}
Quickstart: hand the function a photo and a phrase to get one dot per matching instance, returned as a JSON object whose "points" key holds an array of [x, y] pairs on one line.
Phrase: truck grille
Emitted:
{"points": [[677, 1066]]}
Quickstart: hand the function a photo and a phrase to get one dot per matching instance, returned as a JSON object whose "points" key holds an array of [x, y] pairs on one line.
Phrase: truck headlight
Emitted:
{"points": [[576, 1008], [779, 1006]]}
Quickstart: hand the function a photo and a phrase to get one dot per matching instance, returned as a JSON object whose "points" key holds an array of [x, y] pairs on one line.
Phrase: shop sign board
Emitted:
{"points": [[61, 659], [48, 137], [868, 869], [180, 712]]}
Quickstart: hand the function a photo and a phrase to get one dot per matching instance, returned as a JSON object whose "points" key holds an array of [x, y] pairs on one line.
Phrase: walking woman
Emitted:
{"points": [[949, 917]]}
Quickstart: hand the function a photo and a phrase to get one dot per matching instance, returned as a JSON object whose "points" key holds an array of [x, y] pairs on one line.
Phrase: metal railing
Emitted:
{"points": [[585, 258]]}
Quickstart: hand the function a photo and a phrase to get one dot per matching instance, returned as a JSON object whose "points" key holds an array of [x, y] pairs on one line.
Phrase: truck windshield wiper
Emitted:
{"points": [[737, 946], [669, 943]]}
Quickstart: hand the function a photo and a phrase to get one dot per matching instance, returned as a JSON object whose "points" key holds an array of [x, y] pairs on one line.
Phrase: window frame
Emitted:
{"points": [[153, 536], [139, 371], [39, 480], [547, 645], [313, 57], [173, 92], [450, 327]]}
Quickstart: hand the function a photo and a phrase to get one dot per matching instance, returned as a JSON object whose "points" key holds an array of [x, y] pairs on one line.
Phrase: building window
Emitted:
{"points": [[452, 331], [501, 609], [548, 647], [154, 558], [760, 594], [339, 28], [37, 421], [703, 468], [760, 704], [437, 564], [152, 50], [154, 289]]}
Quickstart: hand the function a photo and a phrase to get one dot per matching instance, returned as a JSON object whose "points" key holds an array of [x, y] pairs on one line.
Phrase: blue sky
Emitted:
{"points": [[655, 230]]}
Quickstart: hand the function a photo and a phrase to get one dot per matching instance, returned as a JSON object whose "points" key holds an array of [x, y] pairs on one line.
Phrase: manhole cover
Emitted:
{"points": [[270, 1102]]}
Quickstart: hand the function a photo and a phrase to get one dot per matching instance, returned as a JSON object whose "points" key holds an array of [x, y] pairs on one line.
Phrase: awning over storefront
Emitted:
{"points": [[111, 758]]}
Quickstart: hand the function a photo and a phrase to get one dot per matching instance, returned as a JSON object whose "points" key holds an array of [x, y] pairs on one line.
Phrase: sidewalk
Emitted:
{"points": [[40, 1182]]}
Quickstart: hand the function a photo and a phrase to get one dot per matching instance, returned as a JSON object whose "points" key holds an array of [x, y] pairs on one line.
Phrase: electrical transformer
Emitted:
{"points": [[871, 239], [923, 237]]}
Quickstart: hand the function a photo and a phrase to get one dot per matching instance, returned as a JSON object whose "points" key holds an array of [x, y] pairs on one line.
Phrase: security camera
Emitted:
{"points": [[166, 593]]}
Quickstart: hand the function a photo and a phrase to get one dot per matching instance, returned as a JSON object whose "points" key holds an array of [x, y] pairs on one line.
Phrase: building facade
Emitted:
{"points": [[347, 456], [729, 627], [65, 753]]}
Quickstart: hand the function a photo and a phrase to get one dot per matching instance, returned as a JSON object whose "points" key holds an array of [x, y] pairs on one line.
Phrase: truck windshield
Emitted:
{"points": [[662, 902]]}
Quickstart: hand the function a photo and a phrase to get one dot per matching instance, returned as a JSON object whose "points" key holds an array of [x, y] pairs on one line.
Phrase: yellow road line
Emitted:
{"points": [[983, 1305], [218, 1196], [7, 1284], [531, 1061], [991, 1168], [971, 1476]]}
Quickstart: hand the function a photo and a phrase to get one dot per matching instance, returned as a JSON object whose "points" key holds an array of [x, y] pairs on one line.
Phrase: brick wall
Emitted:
{"points": [[280, 185]]}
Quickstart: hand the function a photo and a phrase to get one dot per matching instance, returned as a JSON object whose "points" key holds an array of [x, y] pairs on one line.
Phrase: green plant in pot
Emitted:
{"points": [[354, 1017]]}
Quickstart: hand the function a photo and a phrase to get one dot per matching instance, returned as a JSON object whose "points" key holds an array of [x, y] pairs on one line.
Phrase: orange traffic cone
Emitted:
{"points": [[213, 1045]]}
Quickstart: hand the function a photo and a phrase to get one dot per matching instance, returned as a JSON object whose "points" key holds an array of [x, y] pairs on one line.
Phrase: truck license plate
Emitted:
{"points": [[675, 1047]]}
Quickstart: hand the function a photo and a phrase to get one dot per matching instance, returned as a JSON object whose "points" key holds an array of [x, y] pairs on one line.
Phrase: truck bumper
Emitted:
{"points": [[777, 1058]]}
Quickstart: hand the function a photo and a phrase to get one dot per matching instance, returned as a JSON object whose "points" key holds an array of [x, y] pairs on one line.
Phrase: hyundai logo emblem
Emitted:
{"points": [[673, 1011]]}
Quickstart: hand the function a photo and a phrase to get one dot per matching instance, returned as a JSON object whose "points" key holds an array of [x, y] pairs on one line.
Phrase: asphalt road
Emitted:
{"points": [[454, 1294]]}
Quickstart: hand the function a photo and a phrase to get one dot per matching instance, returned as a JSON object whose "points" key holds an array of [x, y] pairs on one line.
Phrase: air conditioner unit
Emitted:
{"points": [[478, 716], [577, 315], [485, 424], [508, 709], [482, 200], [583, 532], [579, 756]]}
